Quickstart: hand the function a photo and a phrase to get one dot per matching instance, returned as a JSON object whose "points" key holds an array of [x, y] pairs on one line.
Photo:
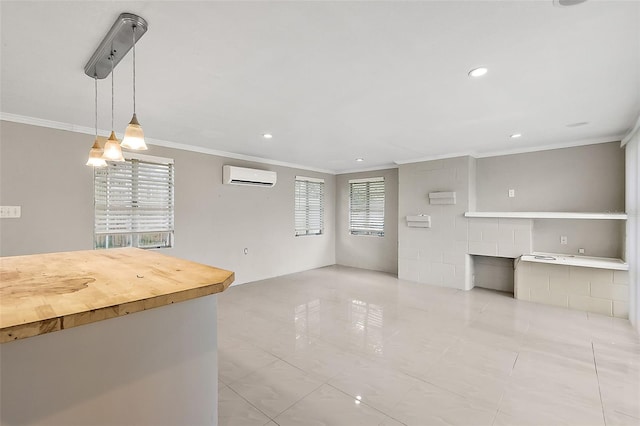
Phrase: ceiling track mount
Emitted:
{"points": [[116, 44]]}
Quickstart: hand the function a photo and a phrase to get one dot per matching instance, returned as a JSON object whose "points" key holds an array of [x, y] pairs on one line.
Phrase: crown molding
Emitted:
{"points": [[58, 125], [369, 169], [523, 150], [434, 157], [583, 142], [16, 118], [632, 133], [202, 150]]}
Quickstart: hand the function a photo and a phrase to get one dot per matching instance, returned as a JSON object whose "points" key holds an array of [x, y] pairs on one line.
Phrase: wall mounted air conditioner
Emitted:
{"points": [[232, 175]]}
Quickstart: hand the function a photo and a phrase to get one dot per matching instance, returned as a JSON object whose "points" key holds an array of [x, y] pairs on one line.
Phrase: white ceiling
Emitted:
{"points": [[333, 81]]}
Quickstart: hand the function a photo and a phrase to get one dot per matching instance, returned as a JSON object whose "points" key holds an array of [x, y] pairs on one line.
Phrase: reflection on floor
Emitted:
{"points": [[344, 346]]}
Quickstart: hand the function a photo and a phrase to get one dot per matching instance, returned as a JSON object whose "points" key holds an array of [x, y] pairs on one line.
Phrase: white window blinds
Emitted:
{"points": [[366, 206], [309, 206], [134, 203]]}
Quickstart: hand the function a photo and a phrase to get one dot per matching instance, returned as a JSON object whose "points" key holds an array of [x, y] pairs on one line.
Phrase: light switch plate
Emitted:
{"points": [[10, 212], [563, 239]]}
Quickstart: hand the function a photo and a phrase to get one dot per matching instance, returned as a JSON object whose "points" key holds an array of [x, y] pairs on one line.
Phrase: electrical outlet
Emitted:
{"points": [[563, 239], [512, 193], [10, 212], [581, 250]]}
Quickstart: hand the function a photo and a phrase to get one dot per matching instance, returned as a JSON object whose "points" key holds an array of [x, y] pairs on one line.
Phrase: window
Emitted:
{"points": [[133, 202], [366, 206], [309, 209]]}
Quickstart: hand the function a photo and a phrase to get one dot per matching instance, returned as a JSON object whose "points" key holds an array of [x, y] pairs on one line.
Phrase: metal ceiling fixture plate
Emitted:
{"points": [[565, 3], [117, 42]]}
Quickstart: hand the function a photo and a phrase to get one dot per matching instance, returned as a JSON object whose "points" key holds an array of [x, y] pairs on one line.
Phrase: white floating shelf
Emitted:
{"points": [[419, 221], [570, 260], [442, 198], [548, 215]]}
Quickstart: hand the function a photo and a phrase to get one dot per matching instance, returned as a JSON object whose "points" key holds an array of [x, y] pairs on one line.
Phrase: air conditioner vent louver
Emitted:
{"points": [[249, 182], [232, 175]]}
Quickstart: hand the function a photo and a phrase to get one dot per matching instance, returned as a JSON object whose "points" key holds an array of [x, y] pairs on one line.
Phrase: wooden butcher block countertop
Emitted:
{"points": [[48, 292]]}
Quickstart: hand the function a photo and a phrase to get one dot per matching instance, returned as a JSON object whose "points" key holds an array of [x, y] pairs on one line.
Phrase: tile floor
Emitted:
{"points": [[344, 346]]}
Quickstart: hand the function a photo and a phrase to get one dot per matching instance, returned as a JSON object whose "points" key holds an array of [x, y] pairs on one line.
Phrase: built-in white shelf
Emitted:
{"points": [[548, 215], [571, 260]]}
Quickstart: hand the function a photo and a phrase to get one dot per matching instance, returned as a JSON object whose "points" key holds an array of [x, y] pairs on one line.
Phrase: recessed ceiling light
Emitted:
{"points": [[581, 123], [478, 72], [516, 135], [359, 160], [267, 136]]}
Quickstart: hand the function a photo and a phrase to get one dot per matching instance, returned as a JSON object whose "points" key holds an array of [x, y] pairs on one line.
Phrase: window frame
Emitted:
{"points": [[364, 226], [122, 236], [307, 206]]}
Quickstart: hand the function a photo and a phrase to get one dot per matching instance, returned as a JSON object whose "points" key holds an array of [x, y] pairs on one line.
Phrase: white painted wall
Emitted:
{"points": [[581, 178], [632, 149], [43, 171], [150, 368], [585, 179], [364, 251]]}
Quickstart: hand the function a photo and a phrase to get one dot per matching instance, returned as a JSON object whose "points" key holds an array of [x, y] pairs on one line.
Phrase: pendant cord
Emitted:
{"points": [[112, 108], [95, 79], [134, 70]]}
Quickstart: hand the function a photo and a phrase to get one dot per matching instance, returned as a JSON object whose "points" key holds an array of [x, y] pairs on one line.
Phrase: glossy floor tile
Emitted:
{"points": [[235, 411], [329, 406], [344, 346], [275, 387]]}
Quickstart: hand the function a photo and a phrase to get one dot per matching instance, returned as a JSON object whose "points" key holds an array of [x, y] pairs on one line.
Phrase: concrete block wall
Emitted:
{"points": [[436, 255], [500, 237], [603, 291], [443, 255]]}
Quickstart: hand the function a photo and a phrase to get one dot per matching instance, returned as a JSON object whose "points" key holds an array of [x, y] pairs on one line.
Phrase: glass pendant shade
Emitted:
{"points": [[96, 152], [134, 136], [95, 155], [112, 150]]}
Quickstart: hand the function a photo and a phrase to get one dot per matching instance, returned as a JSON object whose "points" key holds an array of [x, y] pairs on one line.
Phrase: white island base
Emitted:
{"points": [[155, 367]]}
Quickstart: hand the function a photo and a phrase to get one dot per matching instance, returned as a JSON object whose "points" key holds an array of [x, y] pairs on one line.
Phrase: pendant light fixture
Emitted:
{"points": [[95, 155], [133, 135], [122, 37], [112, 150]]}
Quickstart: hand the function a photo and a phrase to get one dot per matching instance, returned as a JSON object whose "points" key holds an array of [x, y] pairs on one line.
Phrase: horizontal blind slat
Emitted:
{"points": [[309, 206], [134, 201], [366, 206]]}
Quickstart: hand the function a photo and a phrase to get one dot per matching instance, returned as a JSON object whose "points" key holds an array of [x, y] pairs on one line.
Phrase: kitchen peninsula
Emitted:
{"points": [[97, 337]]}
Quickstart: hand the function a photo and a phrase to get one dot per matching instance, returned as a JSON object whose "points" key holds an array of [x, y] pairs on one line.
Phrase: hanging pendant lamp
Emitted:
{"points": [[96, 152], [112, 150], [113, 47], [133, 135]]}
